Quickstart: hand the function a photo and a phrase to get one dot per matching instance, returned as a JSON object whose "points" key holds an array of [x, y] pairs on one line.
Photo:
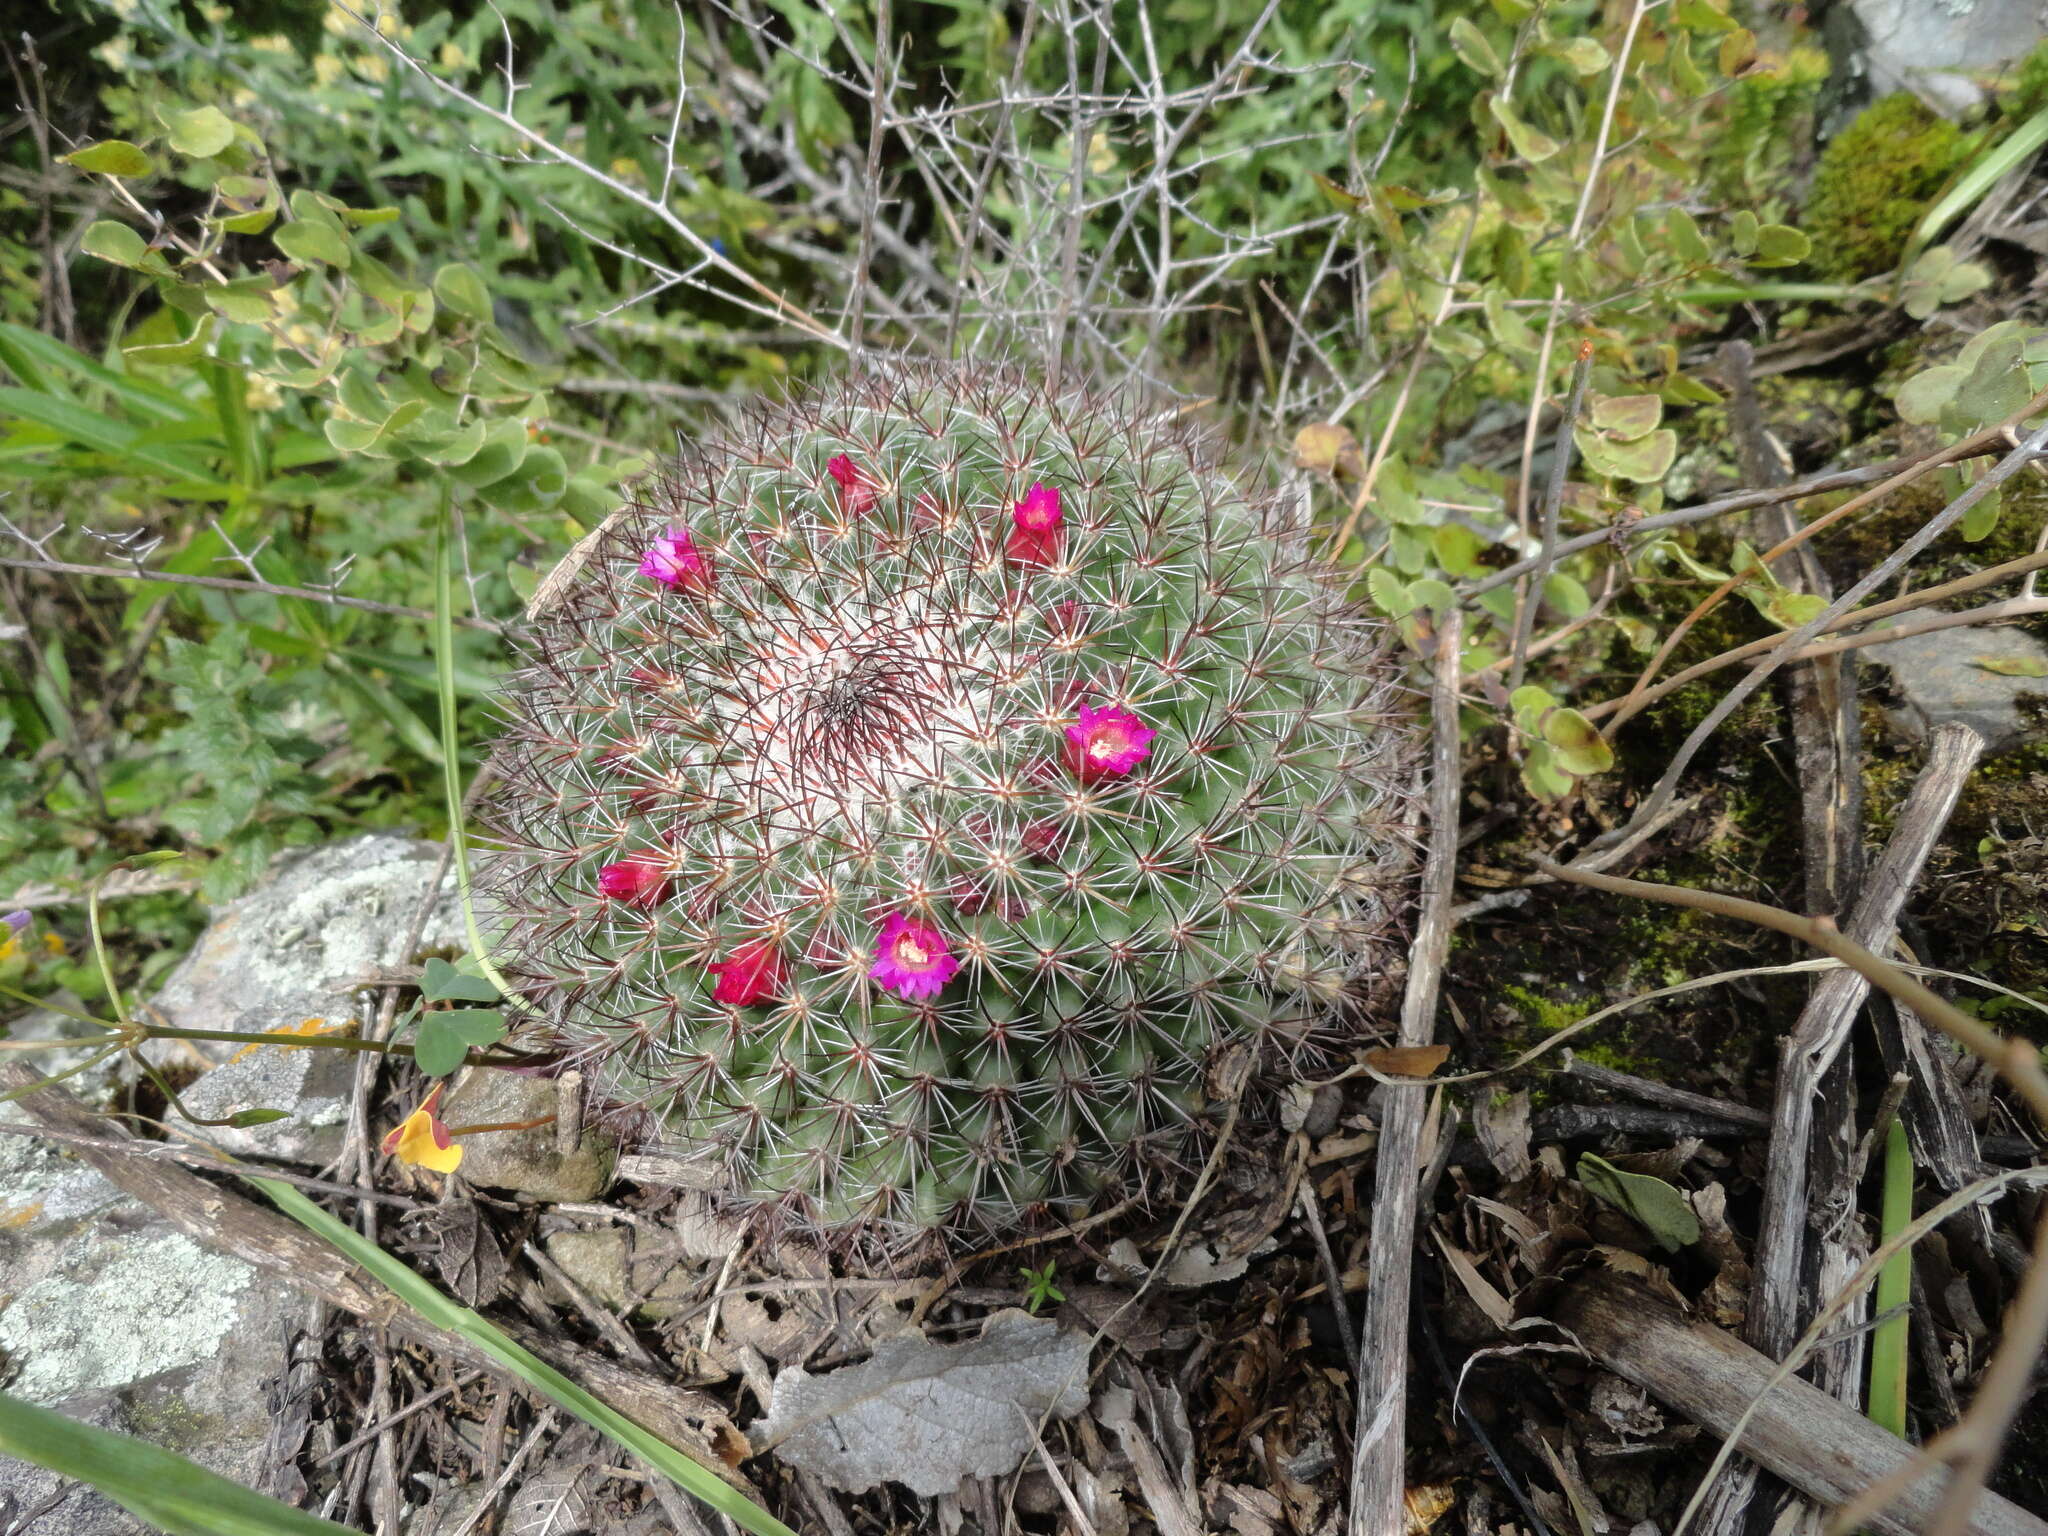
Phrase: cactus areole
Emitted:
{"points": [[910, 790]]}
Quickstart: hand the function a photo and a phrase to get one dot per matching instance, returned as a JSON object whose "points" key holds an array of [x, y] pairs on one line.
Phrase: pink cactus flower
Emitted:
{"points": [[754, 973], [857, 493], [1036, 540], [638, 880], [675, 561], [912, 958], [1107, 741]]}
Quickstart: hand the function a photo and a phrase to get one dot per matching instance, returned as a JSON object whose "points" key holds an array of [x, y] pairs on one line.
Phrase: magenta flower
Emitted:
{"points": [[755, 972], [675, 561], [913, 959], [639, 880], [1036, 539], [1106, 741], [857, 492]]}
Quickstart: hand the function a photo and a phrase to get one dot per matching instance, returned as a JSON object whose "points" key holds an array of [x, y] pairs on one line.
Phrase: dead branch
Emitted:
{"points": [[1379, 1441], [1828, 1452]]}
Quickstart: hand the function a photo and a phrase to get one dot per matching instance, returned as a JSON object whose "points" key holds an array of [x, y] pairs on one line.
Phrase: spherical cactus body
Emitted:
{"points": [[916, 784]]}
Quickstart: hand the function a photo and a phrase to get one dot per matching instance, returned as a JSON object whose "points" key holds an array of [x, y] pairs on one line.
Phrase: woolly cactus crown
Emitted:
{"points": [[909, 790]]}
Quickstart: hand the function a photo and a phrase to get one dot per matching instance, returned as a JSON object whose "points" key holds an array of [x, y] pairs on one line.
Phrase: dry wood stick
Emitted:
{"points": [[1380, 1437], [208, 1213], [1828, 1452], [1823, 1027], [1652, 1092]]}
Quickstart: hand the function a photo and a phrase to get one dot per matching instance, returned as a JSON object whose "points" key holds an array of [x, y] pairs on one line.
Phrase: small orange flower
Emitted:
{"points": [[423, 1140]]}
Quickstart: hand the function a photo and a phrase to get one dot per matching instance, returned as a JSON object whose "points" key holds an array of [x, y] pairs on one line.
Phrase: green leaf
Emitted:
{"points": [[1542, 776], [1456, 548], [1788, 609], [114, 242], [1567, 594], [1924, 397], [1531, 143], [201, 133], [1470, 45], [1626, 417], [1981, 520], [1583, 55], [1580, 747], [1780, 245], [242, 1119], [1644, 460], [1687, 243], [1389, 593], [153, 1484], [246, 300], [446, 1034], [438, 1309], [110, 157], [1743, 231], [1652, 1204], [2012, 666], [443, 983], [461, 290], [307, 242]]}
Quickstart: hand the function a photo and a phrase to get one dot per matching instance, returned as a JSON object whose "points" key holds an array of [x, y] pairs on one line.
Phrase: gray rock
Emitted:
{"points": [[1955, 674], [111, 1316], [600, 1264], [298, 947], [527, 1161], [1932, 47]]}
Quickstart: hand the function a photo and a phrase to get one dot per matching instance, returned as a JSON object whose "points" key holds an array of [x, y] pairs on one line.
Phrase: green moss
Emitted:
{"points": [[1874, 180]]}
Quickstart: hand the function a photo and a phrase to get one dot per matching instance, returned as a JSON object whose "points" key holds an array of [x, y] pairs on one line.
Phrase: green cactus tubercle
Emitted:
{"points": [[910, 789]]}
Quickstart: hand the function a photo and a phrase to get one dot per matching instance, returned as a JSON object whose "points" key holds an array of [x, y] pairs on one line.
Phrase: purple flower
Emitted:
{"points": [[675, 561], [913, 959]]}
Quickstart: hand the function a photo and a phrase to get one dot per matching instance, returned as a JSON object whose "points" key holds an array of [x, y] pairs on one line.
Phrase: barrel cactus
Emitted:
{"points": [[910, 789]]}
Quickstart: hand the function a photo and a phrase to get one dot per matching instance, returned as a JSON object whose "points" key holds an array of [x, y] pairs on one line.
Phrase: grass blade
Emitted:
{"points": [[1894, 1288], [444, 1312], [151, 1483], [1980, 178]]}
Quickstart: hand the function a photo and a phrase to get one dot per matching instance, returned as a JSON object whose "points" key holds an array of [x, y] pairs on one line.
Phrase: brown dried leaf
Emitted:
{"points": [[1329, 449], [1417, 1061]]}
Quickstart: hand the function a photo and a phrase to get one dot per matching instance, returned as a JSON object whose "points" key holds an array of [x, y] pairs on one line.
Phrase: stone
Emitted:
{"points": [[1933, 48], [112, 1316], [526, 1162], [1976, 676], [599, 1263], [299, 947]]}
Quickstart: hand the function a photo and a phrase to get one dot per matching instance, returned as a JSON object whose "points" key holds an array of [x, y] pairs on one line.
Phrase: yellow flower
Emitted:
{"points": [[422, 1140], [327, 68]]}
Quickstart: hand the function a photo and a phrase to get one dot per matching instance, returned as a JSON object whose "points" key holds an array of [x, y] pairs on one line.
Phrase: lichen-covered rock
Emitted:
{"points": [[111, 1316], [296, 948]]}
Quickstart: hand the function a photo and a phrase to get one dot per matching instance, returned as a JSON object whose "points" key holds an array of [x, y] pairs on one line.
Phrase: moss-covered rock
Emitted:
{"points": [[1874, 180]]}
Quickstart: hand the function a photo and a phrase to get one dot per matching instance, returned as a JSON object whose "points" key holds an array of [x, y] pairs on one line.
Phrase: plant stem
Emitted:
{"points": [[1894, 1289]]}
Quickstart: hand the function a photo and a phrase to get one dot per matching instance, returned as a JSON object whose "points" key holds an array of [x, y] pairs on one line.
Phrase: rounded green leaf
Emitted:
{"points": [[201, 133], [307, 242], [1580, 747], [1626, 417], [114, 242], [460, 289], [1470, 45], [111, 157], [1531, 143], [1780, 245]]}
